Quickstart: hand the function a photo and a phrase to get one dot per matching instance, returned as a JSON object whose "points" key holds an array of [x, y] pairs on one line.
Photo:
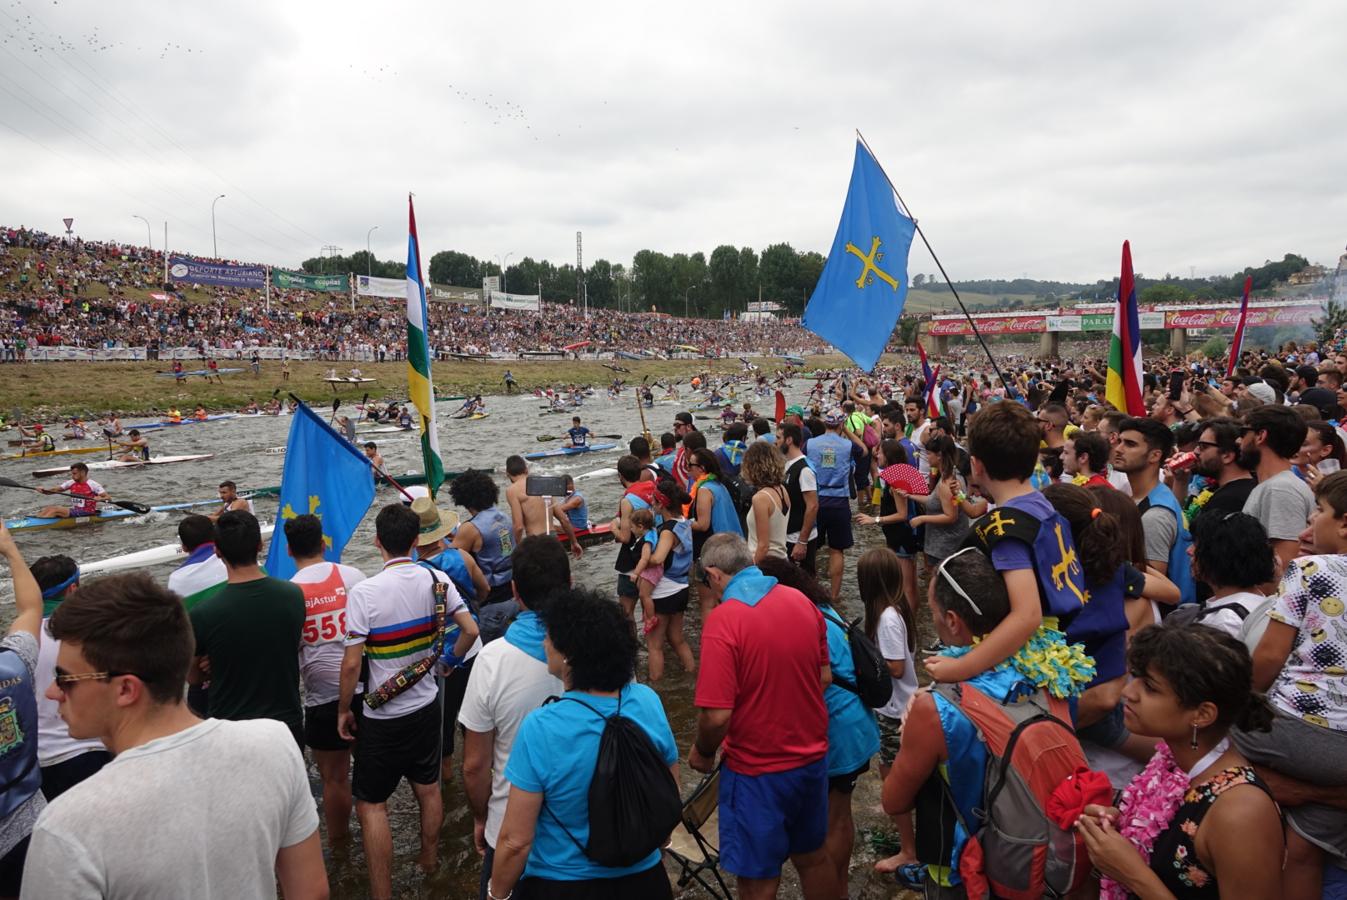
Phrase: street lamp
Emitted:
{"points": [[148, 242], [369, 259], [215, 244], [691, 287], [502, 262]]}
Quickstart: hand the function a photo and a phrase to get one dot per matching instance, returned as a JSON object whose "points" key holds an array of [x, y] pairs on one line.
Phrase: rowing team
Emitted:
{"points": [[174, 416], [88, 493]]}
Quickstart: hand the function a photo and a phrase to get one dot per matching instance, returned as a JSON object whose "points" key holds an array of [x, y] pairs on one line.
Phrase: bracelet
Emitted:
{"points": [[491, 896], [961, 497], [877, 522]]}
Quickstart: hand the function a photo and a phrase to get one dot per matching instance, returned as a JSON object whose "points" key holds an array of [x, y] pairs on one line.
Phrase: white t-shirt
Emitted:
{"points": [[195, 581], [201, 813], [1119, 481], [1221, 614], [892, 634], [326, 587], [918, 439], [506, 684], [393, 615], [54, 743]]}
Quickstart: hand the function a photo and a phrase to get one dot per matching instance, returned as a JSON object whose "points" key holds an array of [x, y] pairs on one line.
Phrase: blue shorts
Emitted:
{"points": [[834, 522], [766, 819], [76, 512]]}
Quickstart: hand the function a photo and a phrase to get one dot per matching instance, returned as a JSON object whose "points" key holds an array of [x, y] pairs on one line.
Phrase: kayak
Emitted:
{"points": [[349, 380], [118, 464], [60, 451], [439, 399], [589, 537], [797, 361], [388, 429], [112, 513], [154, 556], [569, 451], [218, 417], [205, 373]]}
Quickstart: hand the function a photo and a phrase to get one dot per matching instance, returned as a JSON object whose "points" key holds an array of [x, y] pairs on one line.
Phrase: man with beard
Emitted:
{"points": [[1271, 435], [1142, 448], [1219, 458]]}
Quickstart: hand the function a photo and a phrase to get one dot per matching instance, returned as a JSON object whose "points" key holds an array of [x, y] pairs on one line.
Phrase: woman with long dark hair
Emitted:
{"points": [[946, 523], [895, 509]]}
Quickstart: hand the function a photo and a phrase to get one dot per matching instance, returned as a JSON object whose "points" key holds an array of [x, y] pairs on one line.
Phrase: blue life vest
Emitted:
{"points": [[20, 777], [1180, 566], [830, 455], [678, 564], [724, 517], [450, 562], [580, 515], [1061, 580], [497, 533]]}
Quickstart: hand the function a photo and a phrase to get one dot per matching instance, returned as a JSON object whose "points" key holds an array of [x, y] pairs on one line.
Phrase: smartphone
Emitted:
{"points": [[1175, 384], [545, 486]]}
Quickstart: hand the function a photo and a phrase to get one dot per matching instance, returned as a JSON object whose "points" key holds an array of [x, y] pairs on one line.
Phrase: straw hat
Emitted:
{"points": [[435, 522]]}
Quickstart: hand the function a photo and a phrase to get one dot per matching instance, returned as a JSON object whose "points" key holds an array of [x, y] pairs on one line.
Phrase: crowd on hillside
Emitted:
{"points": [[46, 300]]}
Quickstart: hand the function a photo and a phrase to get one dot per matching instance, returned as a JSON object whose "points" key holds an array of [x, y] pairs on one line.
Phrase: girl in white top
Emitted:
{"points": [[765, 469], [891, 624]]}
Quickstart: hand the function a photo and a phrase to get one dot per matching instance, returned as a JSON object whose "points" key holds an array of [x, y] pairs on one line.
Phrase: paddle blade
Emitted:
{"points": [[10, 482], [547, 437], [780, 407], [139, 509]]}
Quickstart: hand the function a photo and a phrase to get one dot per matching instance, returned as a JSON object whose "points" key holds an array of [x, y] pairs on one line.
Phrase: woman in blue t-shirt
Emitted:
{"points": [[591, 648]]}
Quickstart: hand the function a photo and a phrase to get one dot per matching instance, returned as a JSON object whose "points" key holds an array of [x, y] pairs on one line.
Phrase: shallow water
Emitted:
{"points": [[239, 446]]}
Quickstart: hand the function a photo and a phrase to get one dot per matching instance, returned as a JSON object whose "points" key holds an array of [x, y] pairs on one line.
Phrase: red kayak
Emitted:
{"points": [[590, 537]]}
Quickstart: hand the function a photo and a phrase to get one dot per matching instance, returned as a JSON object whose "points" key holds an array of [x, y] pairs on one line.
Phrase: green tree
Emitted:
{"points": [[726, 289], [918, 280], [807, 273], [455, 268], [779, 269], [1164, 293], [653, 282]]}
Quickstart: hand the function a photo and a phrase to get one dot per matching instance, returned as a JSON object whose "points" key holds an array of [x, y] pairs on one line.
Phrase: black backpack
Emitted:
{"points": [[873, 683], [741, 494], [633, 799]]}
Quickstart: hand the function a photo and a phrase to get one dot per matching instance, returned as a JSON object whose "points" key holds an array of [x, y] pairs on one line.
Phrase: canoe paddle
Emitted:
{"points": [[553, 437], [137, 508]]}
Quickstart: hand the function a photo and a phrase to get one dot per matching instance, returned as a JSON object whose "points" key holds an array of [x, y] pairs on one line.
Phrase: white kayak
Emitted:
{"points": [[154, 556], [119, 464]]}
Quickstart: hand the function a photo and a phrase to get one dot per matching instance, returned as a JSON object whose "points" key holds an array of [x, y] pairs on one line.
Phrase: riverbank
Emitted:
{"points": [[47, 391]]}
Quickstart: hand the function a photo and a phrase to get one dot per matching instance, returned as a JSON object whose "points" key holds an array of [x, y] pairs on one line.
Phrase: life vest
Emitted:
{"points": [[830, 456], [1061, 580], [1180, 565], [497, 544], [85, 497], [47, 441], [679, 563], [20, 777], [450, 562], [724, 514]]}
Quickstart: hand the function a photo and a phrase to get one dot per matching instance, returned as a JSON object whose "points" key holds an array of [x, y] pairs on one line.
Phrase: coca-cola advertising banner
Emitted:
{"points": [[1002, 325], [1229, 318]]}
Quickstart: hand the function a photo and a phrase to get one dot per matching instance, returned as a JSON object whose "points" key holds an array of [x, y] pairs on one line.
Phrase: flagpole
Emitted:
{"points": [[1010, 392]]}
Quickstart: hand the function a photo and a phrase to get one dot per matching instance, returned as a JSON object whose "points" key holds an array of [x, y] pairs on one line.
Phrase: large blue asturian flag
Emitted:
{"points": [[324, 475], [863, 287]]}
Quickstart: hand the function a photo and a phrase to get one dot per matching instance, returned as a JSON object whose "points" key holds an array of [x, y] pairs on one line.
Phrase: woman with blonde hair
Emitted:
{"points": [[765, 469]]}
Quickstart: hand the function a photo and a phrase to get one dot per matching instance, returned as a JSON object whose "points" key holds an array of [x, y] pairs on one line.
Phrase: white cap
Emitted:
{"points": [[416, 490]]}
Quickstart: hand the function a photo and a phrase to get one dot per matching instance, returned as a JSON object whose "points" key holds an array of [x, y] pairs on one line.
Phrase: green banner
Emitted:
{"points": [[298, 281], [1097, 322]]}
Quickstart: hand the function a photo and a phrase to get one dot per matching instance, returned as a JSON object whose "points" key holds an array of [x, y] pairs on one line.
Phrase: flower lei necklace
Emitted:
{"points": [[1046, 660], [1147, 807], [1195, 505]]}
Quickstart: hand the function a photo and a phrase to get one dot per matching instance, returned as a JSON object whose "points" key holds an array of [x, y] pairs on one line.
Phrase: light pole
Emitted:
{"points": [[215, 244], [691, 287], [502, 262], [369, 259], [149, 243]]}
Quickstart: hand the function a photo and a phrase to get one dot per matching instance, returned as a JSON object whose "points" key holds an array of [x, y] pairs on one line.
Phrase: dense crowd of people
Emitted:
{"points": [[1138, 669], [47, 299]]}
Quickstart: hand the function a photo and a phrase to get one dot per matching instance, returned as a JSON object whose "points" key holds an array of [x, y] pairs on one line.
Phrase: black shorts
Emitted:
{"points": [[901, 539], [11, 869], [626, 587], [674, 603], [650, 884], [387, 750], [320, 725], [834, 522], [452, 690], [846, 782], [60, 777]]}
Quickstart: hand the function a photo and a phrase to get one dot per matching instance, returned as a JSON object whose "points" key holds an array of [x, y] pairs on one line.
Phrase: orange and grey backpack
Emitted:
{"points": [[1019, 853]]}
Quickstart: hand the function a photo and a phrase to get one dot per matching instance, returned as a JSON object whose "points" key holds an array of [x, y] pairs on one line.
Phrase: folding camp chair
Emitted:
{"points": [[698, 809]]}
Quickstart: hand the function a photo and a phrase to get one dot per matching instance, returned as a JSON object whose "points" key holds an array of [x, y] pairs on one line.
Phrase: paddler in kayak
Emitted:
{"points": [[37, 437], [405, 419], [200, 413], [579, 434], [135, 450], [77, 431], [372, 454], [112, 426], [173, 416], [230, 500], [87, 494]]}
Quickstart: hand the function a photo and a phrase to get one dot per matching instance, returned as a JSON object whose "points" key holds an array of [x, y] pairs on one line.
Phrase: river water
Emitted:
{"points": [[240, 447]]}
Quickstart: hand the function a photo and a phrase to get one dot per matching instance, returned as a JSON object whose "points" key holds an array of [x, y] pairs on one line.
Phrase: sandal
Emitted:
{"points": [[911, 876], [650, 624]]}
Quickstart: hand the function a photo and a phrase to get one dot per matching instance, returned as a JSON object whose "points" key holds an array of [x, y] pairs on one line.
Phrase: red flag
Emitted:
{"points": [[780, 407], [1237, 344]]}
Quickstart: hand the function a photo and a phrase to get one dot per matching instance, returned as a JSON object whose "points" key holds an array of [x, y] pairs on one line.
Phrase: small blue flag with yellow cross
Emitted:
{"points": [[324, 475], [861, 293]]}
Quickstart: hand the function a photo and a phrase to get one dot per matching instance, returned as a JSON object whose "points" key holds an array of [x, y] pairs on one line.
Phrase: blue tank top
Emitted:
{"points": [[497, 533], [724, 517], [450, 562], [580, 515], [20, 776], [678, 564], [830, 455]]}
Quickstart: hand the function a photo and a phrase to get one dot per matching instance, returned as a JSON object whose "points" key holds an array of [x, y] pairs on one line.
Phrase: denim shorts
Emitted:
{"points": [[766, 819]]}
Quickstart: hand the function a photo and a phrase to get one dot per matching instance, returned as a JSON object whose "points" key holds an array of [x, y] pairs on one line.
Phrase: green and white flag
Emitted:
{"points": [[418, 358]]}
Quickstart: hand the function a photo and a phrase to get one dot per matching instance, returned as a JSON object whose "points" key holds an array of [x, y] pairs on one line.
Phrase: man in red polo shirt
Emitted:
{"points": [[760, 695]]}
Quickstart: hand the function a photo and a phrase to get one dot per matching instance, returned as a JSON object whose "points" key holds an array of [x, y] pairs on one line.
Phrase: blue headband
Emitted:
{"points": [[57, 590]]}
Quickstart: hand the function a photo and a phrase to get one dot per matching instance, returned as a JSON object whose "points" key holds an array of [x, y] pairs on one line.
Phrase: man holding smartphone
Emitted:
{"points": [[529, 511]]}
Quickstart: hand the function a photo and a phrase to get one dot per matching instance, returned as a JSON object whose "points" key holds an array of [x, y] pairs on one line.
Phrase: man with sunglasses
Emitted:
{"points": [[1219, 459], [214, 808], [21, 801]]}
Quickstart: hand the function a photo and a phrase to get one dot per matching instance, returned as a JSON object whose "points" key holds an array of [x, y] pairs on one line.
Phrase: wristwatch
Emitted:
{"points": [[876, 520]]}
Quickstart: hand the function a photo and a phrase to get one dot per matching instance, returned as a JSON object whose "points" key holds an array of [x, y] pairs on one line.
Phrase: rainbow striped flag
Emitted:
{"points": [[418, 358], [1123, 384], [1237, 344]]}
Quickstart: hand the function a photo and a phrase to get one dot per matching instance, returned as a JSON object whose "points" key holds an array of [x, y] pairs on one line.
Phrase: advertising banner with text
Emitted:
{"points": [[528, 302], [1001, 325], [1229, 318], [381, 287], [301, 281], [186, 268]]}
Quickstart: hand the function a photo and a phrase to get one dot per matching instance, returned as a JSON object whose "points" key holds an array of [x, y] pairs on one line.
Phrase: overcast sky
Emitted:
{"points": [[1028, 138]]}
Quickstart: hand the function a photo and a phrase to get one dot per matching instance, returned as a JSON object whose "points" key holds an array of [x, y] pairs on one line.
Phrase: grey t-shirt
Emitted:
{"points": [[20, 822], [201, 813], [1162, 529], [1283, 504]]}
